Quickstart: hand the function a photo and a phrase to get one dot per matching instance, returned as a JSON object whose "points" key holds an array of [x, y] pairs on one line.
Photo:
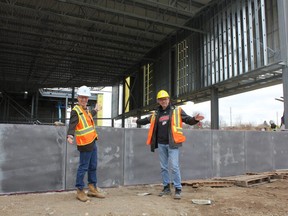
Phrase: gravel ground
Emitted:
{"points": [[266, 199]]}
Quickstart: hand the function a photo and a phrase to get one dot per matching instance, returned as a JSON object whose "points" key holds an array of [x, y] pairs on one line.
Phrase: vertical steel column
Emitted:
{"points": [[234, 39], [283, 32], [144, 86], [205, 57], [200, 78], [5, 108], [216, 48], [123, 104], [32, 107], [138, 117], [73, 97], [209, 72], [212, 52], [225, 57], [245, 45], [192, 63], [239, 33], [264, 34], [214, 108], [36, 105], [220, 50], [229, 39], [251, 41], [66, 106], [257, 34], [285, 94], [179, 92], [185, 66]]}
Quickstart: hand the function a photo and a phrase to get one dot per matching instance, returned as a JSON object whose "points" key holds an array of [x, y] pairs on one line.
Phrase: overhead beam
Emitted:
{"points": [[133, 30], [169, 8], [59, 53], [94, 38], [134, 16]]}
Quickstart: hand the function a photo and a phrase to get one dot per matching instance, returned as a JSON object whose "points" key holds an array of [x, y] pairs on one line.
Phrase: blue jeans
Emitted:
{"points": [[87, 163], [169, 155]]}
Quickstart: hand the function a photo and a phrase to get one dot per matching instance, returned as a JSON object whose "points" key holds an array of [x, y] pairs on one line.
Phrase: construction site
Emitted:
{"points": [[197, 50]]}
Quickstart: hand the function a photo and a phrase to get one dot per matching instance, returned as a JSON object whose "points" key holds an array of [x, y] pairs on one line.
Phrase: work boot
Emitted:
{"points": [[166, 191], [177, 193], [81, 195], [93, 192]]}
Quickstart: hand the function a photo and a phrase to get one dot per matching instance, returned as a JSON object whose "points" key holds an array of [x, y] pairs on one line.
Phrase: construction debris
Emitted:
{"points": [[201, 202]]}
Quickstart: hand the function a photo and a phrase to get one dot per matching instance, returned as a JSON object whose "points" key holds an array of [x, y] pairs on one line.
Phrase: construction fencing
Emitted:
{"points": [[37, 158]]}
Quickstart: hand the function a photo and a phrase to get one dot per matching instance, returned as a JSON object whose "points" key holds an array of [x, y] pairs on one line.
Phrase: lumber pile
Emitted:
{"points": [[248, 180]]}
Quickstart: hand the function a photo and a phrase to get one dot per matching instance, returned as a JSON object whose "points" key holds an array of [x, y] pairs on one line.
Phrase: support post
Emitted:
{"points": [[123, 104], [214, 108], [283, 33]]}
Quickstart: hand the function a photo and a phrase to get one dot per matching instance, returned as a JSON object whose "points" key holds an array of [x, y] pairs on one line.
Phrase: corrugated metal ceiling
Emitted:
{"points": [[66, 43]]}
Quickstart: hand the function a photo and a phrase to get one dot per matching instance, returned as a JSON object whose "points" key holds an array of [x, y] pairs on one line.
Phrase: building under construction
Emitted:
{"points": [[198, 50]]}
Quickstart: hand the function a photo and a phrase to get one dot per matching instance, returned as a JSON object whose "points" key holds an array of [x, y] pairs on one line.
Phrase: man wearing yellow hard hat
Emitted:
{"points": [[166, 134]]}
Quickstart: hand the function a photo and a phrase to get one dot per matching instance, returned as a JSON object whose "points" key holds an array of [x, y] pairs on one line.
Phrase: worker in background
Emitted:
{"points": [[166, 134], [82, 126], [282, 126], [273, 126], [266, 126]]}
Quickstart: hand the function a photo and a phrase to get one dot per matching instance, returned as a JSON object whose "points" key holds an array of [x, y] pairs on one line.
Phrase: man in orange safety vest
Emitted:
{"points": [[166, 134], [82, 125]]}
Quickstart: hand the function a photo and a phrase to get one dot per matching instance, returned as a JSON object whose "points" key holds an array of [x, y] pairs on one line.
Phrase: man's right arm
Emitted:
{"points": [[72, 124], [143, 121]]}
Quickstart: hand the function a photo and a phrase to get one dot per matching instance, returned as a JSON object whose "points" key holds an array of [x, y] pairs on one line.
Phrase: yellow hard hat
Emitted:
{"points": [[162, 94]]}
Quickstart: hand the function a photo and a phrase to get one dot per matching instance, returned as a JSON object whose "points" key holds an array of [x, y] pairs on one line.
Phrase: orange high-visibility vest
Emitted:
{"points": [[176, 127], [85, 130]]}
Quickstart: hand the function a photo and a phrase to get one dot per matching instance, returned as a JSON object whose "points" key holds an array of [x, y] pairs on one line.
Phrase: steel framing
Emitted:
{"points": [[231, 46]]}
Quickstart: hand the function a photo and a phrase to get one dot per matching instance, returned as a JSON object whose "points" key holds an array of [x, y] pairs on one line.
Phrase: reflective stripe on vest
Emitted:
{"points": [[176, 125], [150, 133], [85, 130]]}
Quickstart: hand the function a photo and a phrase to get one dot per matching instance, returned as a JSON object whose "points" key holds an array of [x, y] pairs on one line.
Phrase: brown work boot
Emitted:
{"points": [[81, 195], [93, 192]]}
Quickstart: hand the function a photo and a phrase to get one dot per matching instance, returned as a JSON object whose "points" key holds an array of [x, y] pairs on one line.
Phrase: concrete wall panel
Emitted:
{"points": [[31, 158], [196, 155], [110, 159], [280, 141], [228, 153], [141, 165], [259, 151]]}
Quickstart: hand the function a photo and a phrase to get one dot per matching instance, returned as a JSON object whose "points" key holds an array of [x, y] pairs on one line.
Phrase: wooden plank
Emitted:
{"points": [[208, 183], [274, 175], [249, 180]]}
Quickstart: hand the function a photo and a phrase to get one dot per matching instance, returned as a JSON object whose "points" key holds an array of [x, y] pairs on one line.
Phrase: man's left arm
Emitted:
{"points": [[189, 119]]}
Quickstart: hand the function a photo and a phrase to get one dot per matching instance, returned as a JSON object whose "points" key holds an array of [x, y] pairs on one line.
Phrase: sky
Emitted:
{"points": [[252, 107]]}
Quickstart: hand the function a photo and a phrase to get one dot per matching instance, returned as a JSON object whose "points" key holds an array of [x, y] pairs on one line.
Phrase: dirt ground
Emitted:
{"points": [[266, 199]]}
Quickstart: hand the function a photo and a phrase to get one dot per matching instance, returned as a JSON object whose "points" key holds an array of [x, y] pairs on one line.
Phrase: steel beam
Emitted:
{"points": [[283, 28], [135, 16], [214, 108]]}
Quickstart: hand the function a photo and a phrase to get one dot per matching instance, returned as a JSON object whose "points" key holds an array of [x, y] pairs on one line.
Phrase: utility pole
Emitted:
{"points": [[230, 117]]}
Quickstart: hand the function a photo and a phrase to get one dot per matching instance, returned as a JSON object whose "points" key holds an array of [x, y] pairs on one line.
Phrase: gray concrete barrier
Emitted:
{"points": [[36, 158]]}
